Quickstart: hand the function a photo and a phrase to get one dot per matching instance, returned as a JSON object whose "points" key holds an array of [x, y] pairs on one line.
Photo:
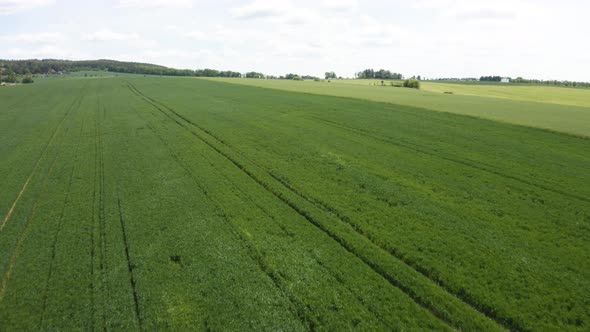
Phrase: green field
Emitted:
{"points": [[156, 203], [535, 93], [565, 110]]}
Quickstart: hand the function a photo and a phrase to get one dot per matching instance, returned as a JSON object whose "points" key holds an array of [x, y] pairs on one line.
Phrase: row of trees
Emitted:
{"points": [[50, 66], [490, 79], [10, 70], [537, 82], [467, 79], [573, 84], [215, 73], [381, 74]]}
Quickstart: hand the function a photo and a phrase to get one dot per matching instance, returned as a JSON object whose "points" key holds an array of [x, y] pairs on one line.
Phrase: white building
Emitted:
{"points": [[505, 80]]}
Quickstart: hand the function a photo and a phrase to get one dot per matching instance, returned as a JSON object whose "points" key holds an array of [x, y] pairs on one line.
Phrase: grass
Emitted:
{"points": [[177, 203], [523, 92], [558, 109]]}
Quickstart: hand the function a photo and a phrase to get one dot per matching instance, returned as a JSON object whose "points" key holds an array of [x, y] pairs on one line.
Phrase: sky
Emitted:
{"points": [[433, 38]]}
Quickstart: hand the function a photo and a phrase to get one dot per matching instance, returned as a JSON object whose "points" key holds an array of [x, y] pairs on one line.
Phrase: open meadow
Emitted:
{"points": [[160, 203]]}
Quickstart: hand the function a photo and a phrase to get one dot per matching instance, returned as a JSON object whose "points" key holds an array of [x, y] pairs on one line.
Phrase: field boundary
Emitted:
{"points": [[407, 106]]}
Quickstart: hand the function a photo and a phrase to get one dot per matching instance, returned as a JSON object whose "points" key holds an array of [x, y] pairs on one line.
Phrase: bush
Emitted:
{"points": [[27, 80], [10, 78], [412, 83]]}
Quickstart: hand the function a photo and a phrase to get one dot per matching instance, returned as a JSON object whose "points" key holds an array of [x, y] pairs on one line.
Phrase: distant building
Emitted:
{"points": [[505, 80]]}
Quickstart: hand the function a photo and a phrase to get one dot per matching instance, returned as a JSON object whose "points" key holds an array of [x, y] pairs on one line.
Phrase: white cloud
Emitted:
{"points": [[8, 7], [46, 52], [478, 10], [262, 9], [151, 4], [339, 5], [198, 35], [106, 35], [132, 40], [39, 38], [534, 38]]}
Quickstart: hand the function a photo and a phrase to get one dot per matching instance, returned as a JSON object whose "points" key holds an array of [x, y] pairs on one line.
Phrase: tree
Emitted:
{"points": [[10, 77], [27, 80], [412, 83], [330, 75], [380, 74], [254, 74]]}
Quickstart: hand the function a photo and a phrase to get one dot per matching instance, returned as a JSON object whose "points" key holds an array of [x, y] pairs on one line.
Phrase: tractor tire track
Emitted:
{"points": [[297, 308], [23, 235], [75, 104], [466, 299], [42, 188], [319, 225], [130, 267], [59, 228], [462, 295], [286, 232], [91, 285], [98, 265], [473, 164]]}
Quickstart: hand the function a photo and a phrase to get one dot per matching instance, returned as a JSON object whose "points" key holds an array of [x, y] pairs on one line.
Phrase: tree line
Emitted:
{"points": [[50, 66], [490, 79], [573, 84], [11, 70], [381, 74]]}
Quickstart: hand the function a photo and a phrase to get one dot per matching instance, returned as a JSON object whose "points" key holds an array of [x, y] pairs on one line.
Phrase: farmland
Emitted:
{"points": [[564, 110], [148, 203]]}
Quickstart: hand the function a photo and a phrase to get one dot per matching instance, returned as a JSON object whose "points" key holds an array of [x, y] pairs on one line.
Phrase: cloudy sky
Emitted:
{"points": [[433, 38]]}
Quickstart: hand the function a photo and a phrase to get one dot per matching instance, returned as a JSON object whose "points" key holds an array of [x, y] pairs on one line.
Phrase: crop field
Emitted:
{"points": [[564, 110], [158, 203]]}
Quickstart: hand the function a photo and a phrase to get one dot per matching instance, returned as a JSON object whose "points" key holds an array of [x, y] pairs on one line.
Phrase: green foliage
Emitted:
{"points": [[490, 78], [51, 66], [379, 74], [330, 75], [254, 74], [8, 76], [412, 83], [572, 84], [216, 73], [27, 80]]}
